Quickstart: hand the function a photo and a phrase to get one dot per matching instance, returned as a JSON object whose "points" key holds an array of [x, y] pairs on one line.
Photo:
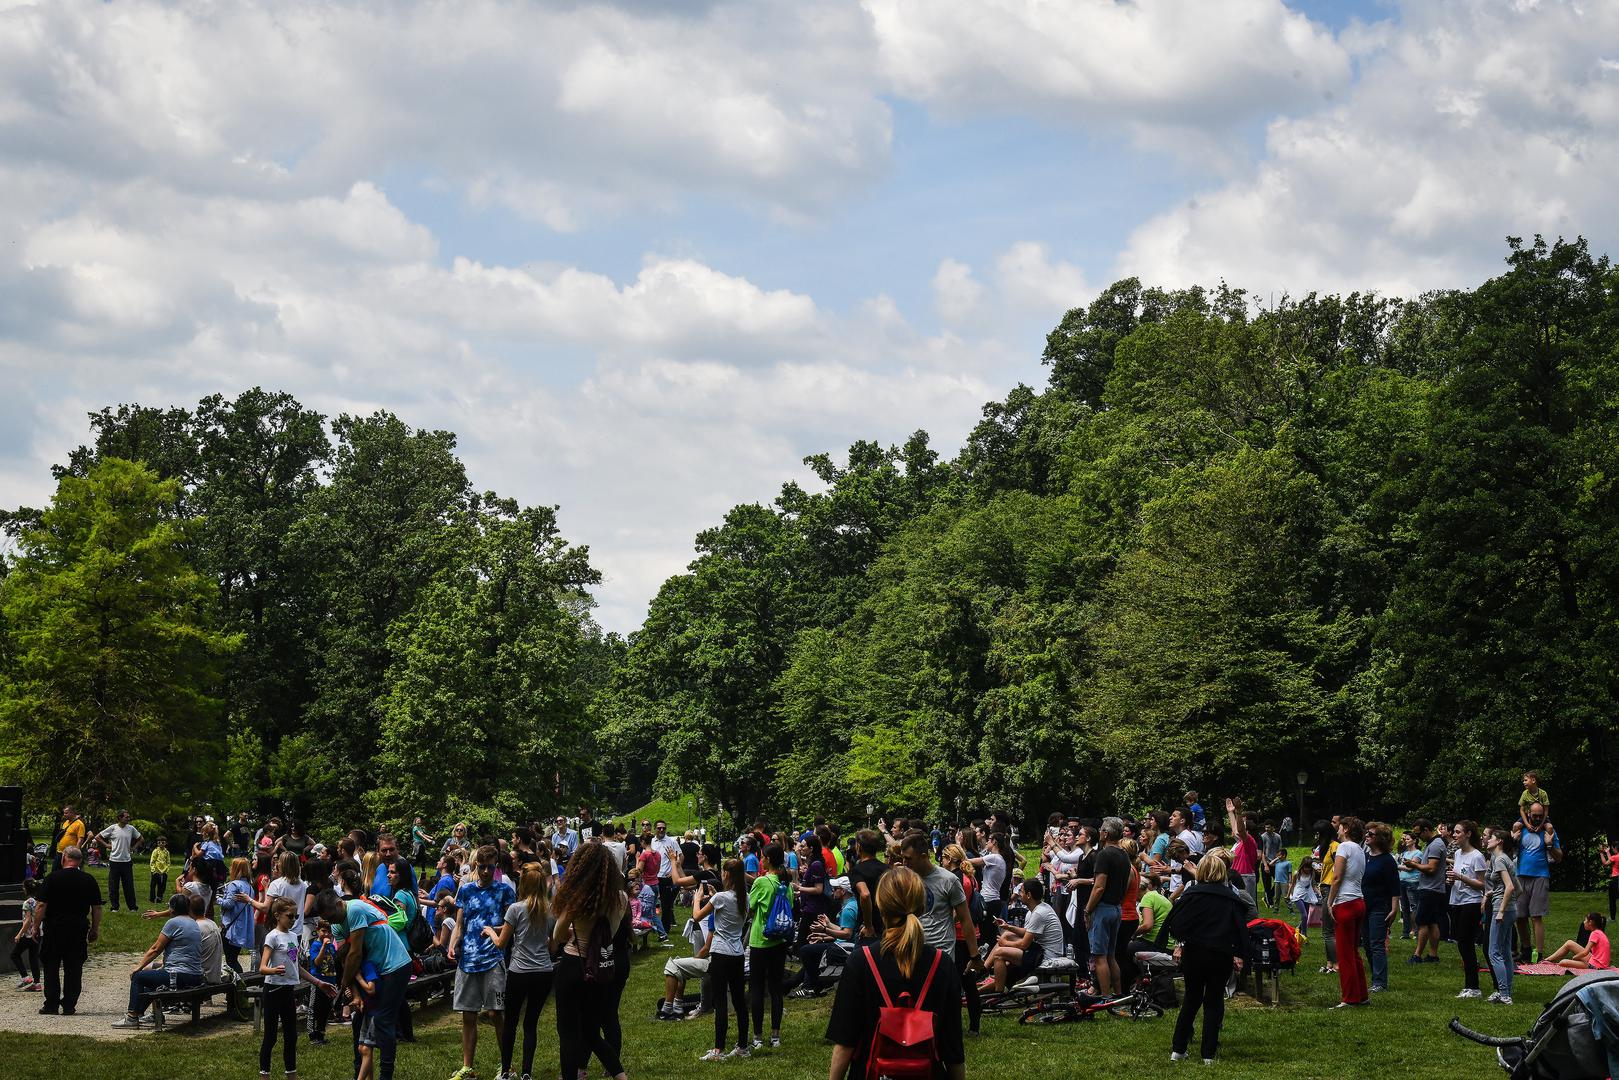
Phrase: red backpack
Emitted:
{"points": [[902, 1048]]}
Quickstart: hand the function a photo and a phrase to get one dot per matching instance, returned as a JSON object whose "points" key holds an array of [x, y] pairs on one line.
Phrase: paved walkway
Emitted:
{"points": [[104, 999]]}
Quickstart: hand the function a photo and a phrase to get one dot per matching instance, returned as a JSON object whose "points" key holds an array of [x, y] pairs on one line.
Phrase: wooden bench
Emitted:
{"points": [[423, 987], [232, 990]]}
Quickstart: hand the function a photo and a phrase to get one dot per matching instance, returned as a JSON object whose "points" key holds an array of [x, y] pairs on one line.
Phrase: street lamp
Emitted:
{"points": [[1303, 778], [870, 810]]}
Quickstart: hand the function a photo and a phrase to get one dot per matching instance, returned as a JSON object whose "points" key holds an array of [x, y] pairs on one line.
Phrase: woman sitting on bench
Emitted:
{"points": [[180, 942]]}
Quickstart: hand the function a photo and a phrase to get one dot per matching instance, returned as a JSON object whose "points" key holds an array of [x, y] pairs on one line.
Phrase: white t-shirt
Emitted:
{"points": [[729, 922], [1354, 857], [619, 850], [1064, 862], [283, 946], [669, 848], [994, 877], [294, 891], [1193, 842], [1473, 864], [1043, 923], [123, 839]]}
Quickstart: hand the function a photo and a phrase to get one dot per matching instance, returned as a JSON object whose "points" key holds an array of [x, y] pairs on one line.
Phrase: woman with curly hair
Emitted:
{"points": [[591, 940]]}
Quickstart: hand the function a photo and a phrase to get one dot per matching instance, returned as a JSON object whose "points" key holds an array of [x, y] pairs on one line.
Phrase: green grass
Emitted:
{"points": [[1401, 1035], [671, 810]]}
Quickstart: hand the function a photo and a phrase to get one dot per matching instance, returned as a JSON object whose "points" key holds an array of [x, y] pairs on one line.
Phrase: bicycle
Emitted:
{"points": [[1139, 1004]]}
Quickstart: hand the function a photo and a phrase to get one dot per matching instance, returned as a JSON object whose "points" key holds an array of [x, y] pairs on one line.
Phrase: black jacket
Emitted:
{"points": [[1211, 915]]}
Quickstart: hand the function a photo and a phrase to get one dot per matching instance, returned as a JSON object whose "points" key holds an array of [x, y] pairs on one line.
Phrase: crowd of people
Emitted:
{"points": [[943, 915]]}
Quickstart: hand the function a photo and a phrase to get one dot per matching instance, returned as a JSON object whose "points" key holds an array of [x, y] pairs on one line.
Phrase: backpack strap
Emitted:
{"points": [[875, 974], [928, 982]]}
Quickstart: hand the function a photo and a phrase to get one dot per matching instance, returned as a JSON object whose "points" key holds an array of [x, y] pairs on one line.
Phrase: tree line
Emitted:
{"points": [[1369, 538]]}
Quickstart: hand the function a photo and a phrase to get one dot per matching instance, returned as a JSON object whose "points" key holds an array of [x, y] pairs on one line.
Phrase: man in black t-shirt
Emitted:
{"points": [[69, 912], [1110, 881], [864, 875]]}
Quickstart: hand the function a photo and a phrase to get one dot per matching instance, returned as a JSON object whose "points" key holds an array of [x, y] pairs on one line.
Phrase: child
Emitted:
{"points": [[1593, 954], [364, 1012], [1304, 894], [278, 961], [157, 867], [26, 943], [323, 966], [1281, 873], [1532, 794], [648, 897]]}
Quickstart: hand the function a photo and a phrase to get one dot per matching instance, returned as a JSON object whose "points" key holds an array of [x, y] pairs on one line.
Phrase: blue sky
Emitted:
{"points": [[644, 257]]}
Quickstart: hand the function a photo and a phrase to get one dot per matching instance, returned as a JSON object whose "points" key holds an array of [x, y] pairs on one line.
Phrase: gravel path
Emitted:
{"points": [[105, 997]]}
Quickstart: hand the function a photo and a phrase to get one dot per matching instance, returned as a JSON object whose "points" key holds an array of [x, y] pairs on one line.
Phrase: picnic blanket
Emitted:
{"points": [[1546, 969]]}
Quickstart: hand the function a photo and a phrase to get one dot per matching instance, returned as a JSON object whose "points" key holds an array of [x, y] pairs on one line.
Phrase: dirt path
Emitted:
{"points": [[104, 999]]}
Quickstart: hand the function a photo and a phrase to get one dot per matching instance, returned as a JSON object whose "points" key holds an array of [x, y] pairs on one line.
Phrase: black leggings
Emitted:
{"points": [[1464, 924], [969, 985], [1206, 973], [233, 954], [526, 992], [1121, 953], [587, 1019], [726, 971], [769, 969], [30, 948], [280, 1010]]}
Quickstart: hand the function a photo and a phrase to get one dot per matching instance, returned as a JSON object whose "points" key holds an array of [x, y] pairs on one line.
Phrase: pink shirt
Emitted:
{"points": [[1599, 949], [1245, 856]]}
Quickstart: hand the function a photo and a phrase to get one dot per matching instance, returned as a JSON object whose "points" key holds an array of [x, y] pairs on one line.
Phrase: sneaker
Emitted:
{"points": [[757, 1044], [698, 1014], [775, 1042], [1503, 999], [464, 1073], [1208, 1061], [1379, 989], [1177, 1055], [317, 1040], [665, 943], [713, 1055], [1430, 959], [741, 1051], [1493, 998], [1470, 994], [25, 984], [1414, 959], [35, 989], [127, 1021]]}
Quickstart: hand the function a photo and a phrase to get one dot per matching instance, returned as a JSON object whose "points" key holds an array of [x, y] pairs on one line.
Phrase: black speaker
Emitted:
{"points": [[11, 835]]}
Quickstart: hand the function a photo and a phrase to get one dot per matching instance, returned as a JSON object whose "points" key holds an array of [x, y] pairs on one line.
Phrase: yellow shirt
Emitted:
{"points": [[72, 834], [1326, 871]]}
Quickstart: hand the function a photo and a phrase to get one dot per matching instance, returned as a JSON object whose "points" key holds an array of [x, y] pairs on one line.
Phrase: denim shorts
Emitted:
{"points": [[1104, 929]]}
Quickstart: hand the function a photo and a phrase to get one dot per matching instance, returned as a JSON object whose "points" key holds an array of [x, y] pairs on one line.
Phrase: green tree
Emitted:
{"points": [[110, 697]]}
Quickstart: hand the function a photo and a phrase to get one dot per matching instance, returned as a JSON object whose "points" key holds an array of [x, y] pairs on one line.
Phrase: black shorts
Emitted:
{"points": [[1431, 906], [1033, 957]]}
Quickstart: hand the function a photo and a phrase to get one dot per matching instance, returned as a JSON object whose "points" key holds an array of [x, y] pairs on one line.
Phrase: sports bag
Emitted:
{"points": [[902, 1047], [779, 922]]}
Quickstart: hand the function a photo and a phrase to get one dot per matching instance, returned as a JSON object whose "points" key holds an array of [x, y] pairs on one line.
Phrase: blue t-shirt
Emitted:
{"points": [[849, 917], [445, 885], [751, 864], [382, 945], [792, 860], [368, 972], [1198, 820], [1532, 861], [183, 955], [481, 907], [1160, 846], [1283, 870]]}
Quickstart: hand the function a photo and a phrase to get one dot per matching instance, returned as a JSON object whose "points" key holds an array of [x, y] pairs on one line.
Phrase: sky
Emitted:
{"points": [[643, 257]]}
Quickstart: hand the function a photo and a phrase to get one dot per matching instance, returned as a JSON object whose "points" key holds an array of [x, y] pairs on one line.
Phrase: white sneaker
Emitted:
{"points": [[1176, 1055], [758, 1044], [1470, 994], [740, 1052], [1503, 999], [713, 1055], [1493, 998], [127, 1021]]}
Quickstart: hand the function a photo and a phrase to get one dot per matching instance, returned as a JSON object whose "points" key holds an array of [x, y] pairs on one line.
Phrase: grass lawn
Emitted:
{"points": [[1401, 1035]]}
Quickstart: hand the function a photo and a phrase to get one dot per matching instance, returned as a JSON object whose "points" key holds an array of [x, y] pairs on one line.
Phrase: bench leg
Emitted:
{"points": [[157, 1017]]}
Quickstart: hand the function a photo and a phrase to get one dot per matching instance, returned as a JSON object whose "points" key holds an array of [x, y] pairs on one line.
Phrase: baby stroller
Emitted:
{"points": [[1563, 1044]]}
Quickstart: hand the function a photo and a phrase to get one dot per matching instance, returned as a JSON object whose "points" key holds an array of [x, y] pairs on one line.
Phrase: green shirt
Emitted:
{"points": [[1535, 795], [159, 862], [1160, 905], [760, 899]]}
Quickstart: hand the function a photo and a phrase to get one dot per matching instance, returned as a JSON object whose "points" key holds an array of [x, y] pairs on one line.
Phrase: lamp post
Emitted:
{"points": [[870, 810], [1303, 778], [689, 808]]}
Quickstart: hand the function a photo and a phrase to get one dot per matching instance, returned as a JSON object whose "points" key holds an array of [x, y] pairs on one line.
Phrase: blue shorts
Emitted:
{"points": [[1104, 929]]}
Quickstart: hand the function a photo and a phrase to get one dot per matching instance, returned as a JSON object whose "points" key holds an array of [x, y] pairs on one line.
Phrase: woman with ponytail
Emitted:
{"points": [[527, 931], [904, 962], [724, 948]]}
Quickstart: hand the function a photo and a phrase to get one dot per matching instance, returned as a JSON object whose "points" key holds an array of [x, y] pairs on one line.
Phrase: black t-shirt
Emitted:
{"points": [[1113, 862], [298, 845], [854, 1012], [688, 856], [68, 895], [240, 836], [1085, 868], [588, 829], [870, 871]]}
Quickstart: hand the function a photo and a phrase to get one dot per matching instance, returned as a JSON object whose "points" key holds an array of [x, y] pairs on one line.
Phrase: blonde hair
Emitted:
{"points": [[368, 867], [1212, 867], [291, 868], [958, 859], [1128, 846], [900, 897], [240, 869], [534, 890]]}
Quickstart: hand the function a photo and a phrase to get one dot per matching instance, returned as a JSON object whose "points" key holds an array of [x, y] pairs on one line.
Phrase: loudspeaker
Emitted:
{"points": [[11, 835]]}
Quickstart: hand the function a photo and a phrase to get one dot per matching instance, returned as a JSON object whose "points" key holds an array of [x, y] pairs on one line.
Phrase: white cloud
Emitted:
{"points": [[1032, 281], [1470, 122], [956, 293], [1151, 64]]}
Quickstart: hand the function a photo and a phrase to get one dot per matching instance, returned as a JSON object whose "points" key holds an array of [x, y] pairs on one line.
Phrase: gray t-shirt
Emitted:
{"points": [[213, 950], [1472, 864], [121, 840], [994, 876], [1270, 845], [531, 945], [184, 953], [1436, 852], [1043, 923], [729, 922], [944, 893], [1502, 868]]}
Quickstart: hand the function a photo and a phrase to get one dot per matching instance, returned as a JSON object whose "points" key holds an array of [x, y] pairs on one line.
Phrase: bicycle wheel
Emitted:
{"points": [[1049, 1012], [1136, 1008]]}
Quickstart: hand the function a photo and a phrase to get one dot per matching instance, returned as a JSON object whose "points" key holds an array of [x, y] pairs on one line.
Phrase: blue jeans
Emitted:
{"points": [[1502, 962], [1377, 954], [390, 996], [1408, 909], [143, 982]]}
